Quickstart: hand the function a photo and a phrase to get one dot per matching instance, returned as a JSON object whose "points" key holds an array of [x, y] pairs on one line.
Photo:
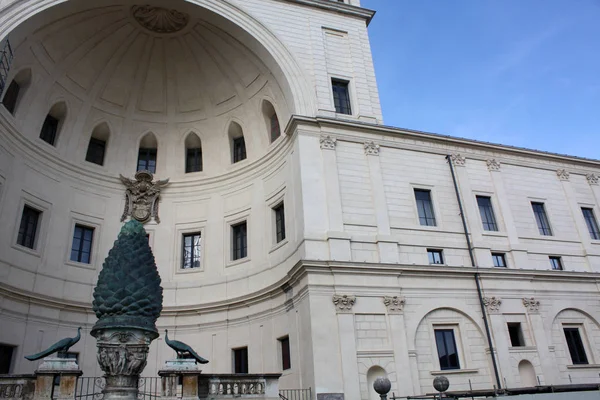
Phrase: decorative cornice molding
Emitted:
{"points": [[592, 179], [563, 174], [531, 304], [458, 160], [159, 19], [492, 304], [327, 142], [343, 303], [394, 304], [371, 148], [493, 164]]}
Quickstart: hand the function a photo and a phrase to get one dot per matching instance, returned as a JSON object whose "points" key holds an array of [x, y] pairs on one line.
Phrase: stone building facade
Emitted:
{"points": [[326, 232]]}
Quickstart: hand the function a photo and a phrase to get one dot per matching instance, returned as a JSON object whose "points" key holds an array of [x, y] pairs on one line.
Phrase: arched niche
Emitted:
{"points": [[96, 150], [237, 142], [147, 153], [193, 153], [271, 121], [372, 374], [53, 123], [527, 374]]}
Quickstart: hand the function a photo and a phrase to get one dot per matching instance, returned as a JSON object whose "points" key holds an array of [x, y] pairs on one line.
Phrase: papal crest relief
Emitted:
{"points": [[142, 195]]}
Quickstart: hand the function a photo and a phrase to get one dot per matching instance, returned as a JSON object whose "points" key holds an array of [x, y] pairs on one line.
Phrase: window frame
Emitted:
{"points": [[87, 153], [234, 148], [560, 263], [14, 103], [40, 241], [54, 135], [31, 212], [283, 350], [11, 359], [520, 334], [244, 247], [439, 252], [490, 216], [84, 228], [582, 339], [349, 102], [234, 363], [279, 211], [502, 256], [182, 229], [196, 156], [543, 224], [147, 150], [451, 330], [591, 222], [234, 218], [183, 250], [91, 222], [432, 207], [271, 119]]}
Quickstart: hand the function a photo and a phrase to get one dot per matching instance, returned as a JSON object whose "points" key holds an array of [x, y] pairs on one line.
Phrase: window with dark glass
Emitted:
{"points": [[6, 356], [192, 248], [239, 149], [193, 160], [147, 160], [425, 207], [239, 246], [28, 227], [240, 360], [275, 129], [10, 97], [435, 256], [95, 151], [541, 218], [592, 224], [81, 250], [516, 334], [575, 345], [487, 213], [556, 263], [49, 130], [279, 223], [499, 260], [341, 96], [446, 347], [286, 363]]}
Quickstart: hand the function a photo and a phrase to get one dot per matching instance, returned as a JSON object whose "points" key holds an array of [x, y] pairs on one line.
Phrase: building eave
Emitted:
{"points": [[337, 7]]}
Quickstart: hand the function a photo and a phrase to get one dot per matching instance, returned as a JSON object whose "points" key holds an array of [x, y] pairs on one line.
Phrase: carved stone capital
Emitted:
{"points": [[492, 304], [371, 148], [532, 305], [592, 179], [394, 304], [493, 164], [563, 174], [343, 303], [458, 160], [327, 142]]}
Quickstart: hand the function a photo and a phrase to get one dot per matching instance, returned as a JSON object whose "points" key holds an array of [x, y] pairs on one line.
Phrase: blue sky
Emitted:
{"points": [[518, 72]]}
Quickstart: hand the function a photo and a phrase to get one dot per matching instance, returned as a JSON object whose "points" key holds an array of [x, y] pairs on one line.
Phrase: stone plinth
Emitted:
{"points": [[189, 372], [226, 386], [17, 387], [68, 371]]}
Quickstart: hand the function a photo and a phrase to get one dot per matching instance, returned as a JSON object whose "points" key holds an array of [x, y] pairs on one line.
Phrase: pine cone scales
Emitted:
{"points": [[128, 292]]}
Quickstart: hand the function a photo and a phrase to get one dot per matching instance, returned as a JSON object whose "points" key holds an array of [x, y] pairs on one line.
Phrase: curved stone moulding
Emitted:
{"points": [[159, 19]]}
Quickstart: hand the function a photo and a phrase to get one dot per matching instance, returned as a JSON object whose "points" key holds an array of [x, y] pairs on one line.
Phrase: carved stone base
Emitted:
{"points": [[185, 368], [55, 364], [122, 356]]}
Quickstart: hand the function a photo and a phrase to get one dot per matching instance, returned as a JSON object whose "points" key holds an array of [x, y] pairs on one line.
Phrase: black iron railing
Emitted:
{"points": [[6, 57]]}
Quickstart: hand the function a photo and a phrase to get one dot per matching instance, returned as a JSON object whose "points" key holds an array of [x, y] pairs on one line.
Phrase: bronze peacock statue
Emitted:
{"points": [[62, 345], [183, 349]]}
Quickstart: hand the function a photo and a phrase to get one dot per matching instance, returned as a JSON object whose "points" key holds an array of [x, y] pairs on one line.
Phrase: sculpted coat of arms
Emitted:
{"points": [[142, 195]]}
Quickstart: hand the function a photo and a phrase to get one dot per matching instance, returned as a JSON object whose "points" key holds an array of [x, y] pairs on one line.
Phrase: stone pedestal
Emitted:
{"points": [[68, 371], [189, 372]]}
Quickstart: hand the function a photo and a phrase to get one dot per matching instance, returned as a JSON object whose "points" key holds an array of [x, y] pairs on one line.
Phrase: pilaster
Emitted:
{"points": [[541, 341], [565, 179], [395, 308], [345, 319]]}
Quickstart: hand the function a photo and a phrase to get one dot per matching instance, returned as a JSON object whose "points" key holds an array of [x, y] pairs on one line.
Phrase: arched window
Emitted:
{"points": [[271, 120], [97, 145], [193, 153], [53, 122], [147, 153], [16, 89], [238, 144]]}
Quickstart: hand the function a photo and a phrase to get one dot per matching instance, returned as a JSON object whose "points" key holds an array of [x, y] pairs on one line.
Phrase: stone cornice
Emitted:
{"points": [[338, 7], [585, 165]]}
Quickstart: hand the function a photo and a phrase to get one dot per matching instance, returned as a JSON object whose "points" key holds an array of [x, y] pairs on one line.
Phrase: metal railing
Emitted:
{"points": [[90, 388], [295, 394], [6, 57]]}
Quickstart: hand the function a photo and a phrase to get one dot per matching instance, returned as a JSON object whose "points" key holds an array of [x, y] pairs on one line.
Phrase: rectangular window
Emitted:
{"points": [[341, 96], [28, 227], [487, 213], [279, 223], [556, 263], [81, 250], [499, 260], [240, 360], [285, 353], [6, 356], [516, 334], [275, 130], [239, 245], [239, 149], [10, 97], [147, 160], [592, 224], [446, 347], [541, 218], [435, 256], [192, 248], [425, 207], [95, 151], [575, 345], [193, 160], [49, 129]]}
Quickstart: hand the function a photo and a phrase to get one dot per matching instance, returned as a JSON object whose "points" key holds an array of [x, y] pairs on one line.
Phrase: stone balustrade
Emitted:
{"points": [[218, 386], [17, 387]]}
